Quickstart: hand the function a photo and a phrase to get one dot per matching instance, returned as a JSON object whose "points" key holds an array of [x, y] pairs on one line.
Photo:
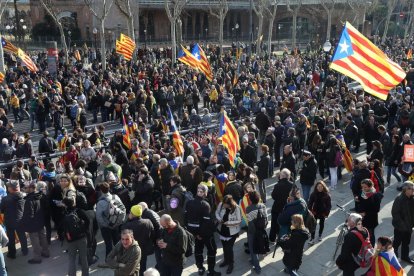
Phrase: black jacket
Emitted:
{"points": [[143, 189], [174, 253], [143, 233], [47, 145], [402, 213], [289, 162], [280, 194], [12, 207], [33, 214], [165, 179], [359, 175], [198, 217], [235, 189], [350, 247], [263, 167], [248, 155], [155, 220], [320, 204], [308, 172], [371, 207], [293, 248]]}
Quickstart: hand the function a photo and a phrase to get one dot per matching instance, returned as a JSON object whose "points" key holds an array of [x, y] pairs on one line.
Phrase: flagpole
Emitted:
{"points": [[1, 56]]}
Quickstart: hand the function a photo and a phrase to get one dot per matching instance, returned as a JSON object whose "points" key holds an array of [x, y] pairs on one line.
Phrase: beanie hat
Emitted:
{"points": [[136, 211]]}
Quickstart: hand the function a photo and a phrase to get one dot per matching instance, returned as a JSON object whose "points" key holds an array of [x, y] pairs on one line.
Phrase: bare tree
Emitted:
{"points": [[329, 6], [101, 15], [410, 23], [3, 5], [390, 8], [295, 11], [219, 11], [173, 8], [51, 9], [124, 7], [271, 10]]}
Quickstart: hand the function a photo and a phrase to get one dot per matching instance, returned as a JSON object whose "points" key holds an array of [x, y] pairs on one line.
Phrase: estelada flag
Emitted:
{"points": [[220, 183], [347, 157], [229, 137], [26, 60], [386, 263], [126, 140], [358, 58], [244, 203]]}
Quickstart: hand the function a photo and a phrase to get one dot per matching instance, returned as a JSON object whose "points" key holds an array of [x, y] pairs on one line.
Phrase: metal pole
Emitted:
{"points": [[1, 57], [251, 27]]}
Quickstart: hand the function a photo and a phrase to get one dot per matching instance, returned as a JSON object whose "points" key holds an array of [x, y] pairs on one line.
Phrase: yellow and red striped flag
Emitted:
{"points": [[1, 77], [177, 141], [229, 137], [359, 59], [187, 58], [386, 263], [347, 157], [126, 140], [220, 183], [128, 42], [8, 46], [121, 49], [203, 63], [244, 203], [410, 54], [77, 55], [26, 60]]}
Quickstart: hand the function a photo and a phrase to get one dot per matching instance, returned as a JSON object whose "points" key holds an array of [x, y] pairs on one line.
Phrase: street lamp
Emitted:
{"points": [[237, 28], [145, 39], [69, 39], [206, 34], [95, 33], [327, 48]]}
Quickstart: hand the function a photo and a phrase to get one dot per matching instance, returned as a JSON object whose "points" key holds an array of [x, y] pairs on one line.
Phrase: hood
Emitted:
{"points": [[33, 196]]}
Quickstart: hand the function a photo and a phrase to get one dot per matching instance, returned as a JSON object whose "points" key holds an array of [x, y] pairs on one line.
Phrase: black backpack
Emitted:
{"points": [[190, 243], [81, 201], [261, 220], [73, 226]]}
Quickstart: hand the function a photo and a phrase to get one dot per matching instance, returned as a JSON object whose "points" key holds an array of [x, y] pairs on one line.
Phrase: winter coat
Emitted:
{"points": [[263, 167], [293, 248], [308, 172], [102, 209], [165, 179], [289, 162], [12, 207], [174, 253], [371, 207], [130, 257], [359, 175], [155, 220], [34, 213], [188, 180], [402, 213], [297, 206], [350, 247], [320, 204], [143, 233], [280, 194], [198, 217], [143, 189], [248, 155]]}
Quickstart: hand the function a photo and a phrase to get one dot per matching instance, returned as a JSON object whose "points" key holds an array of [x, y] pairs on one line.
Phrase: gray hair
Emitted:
{"points": [[151, 272], [190, 160], [144, 205], [354, 218], [107, 157], [41, 185], [285, 173], [164, 161], [407, 185], [128, 232]]}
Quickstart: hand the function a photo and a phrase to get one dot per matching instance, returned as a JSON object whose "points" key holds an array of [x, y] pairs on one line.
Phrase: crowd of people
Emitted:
{"points": [[293, 115]]}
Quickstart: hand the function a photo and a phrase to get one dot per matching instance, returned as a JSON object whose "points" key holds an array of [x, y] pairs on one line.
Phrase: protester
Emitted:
{"points": [[320, 205]]}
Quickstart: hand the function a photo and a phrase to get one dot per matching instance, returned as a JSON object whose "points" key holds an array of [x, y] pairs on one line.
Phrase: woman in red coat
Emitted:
{"points": [[320, 205]]}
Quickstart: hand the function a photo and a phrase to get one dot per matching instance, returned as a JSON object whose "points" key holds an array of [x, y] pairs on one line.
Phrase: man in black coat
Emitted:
{"points": [[308, 174], [351, 133], [166, 171], [12, 207], [143, 187], [191, 175], [33, 223], [360, 174], [289, 161], [47, 146], [351, 246], [280, 194], [263, 171], [263, 123], [278, 132], [143, 233], [247, 153]]}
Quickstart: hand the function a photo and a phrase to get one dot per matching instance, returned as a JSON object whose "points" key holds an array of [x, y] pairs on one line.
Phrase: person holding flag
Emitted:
{"points": [[385, 262], [177, 141], [229, 137]]}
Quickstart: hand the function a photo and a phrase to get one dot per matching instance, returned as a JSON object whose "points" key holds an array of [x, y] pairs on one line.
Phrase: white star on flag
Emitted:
{"points": [[344, 47], [197, 55], [223, 128]]}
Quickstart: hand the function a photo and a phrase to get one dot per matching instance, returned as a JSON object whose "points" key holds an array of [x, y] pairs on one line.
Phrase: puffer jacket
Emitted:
{"points": [[298, 206], [33, 214]]}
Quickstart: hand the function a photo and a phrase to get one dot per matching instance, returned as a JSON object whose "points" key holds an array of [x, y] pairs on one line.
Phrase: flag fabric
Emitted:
{"points": [[26, 60], [410, 54], [127, 41], [177, 141], [347, 157], [244, 203], [126, 140], [121, 49], [220, 183], [1, 77], [77, 55], [386, 263], [187, 58], [62, 140], [203, 63], [8, 46], [229, 137], [359, 59]]}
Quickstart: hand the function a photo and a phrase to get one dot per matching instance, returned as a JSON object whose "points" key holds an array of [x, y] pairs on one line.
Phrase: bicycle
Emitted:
{"points": [[342, 233]]}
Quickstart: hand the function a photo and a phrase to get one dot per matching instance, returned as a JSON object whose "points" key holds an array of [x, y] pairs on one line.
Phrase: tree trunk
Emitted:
{"points": [[328, 29], [407, 28], [221, 26], [131, 30], [295, 19], [2, 69], [387, 24], [103, 46], [173, 42], [63, 41], [259, 33], [270, 35], [179, 31]]}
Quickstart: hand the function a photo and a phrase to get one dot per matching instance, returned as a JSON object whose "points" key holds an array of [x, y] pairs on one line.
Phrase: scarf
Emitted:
{"points": [[366, 195]]}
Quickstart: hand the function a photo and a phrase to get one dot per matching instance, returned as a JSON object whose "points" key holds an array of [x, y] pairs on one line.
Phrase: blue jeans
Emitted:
{"points": [[3, 271], [32, 120], [254, 258], [110, 237], [392, 170], [306, 188]]}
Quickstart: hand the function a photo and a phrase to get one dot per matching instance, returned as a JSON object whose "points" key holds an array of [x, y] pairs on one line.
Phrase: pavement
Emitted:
{"points": [[317, 259]]}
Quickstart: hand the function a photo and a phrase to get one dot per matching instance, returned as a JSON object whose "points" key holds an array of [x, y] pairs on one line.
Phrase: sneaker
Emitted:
{"points": [[201, 270], [320, 238], [34, 261], [311, 242]]}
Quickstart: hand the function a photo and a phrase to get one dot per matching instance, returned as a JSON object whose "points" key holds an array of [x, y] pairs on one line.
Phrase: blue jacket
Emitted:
{"points": [[297, 206]]}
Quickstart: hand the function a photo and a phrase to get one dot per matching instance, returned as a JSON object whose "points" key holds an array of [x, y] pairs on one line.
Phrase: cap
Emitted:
{"points": [[136, 210]]}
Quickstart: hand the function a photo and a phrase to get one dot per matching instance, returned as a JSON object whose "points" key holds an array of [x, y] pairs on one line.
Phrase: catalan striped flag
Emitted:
{"points": [[244, 203], [62, 139], [26, 60], [386, 263], [410, 54], [187, 58], [220, 183], [203, 63], [348, 160], [359, 59], [77, 55], [1, 77], [229, 137], [127, 41], [177, 141], [121, 49], [126, 140], [9, 46]]}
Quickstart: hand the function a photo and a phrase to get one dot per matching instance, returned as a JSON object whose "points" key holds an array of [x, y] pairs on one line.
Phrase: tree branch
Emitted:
{"points": [[121, 8]]}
